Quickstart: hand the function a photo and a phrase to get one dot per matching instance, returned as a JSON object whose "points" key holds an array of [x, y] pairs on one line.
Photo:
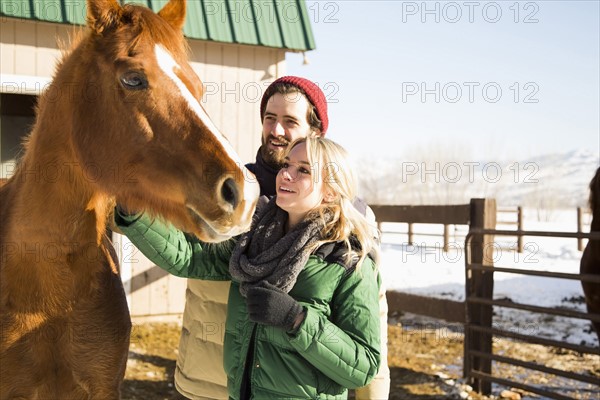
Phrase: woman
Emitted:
{"points": [[302, 320]]}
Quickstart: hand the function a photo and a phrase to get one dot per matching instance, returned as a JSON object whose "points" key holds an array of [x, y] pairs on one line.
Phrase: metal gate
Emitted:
{"points": [[479, 332]]}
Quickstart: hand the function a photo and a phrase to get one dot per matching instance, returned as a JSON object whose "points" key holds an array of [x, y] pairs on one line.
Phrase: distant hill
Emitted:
{"points": [[562, 181], [547, 181]]}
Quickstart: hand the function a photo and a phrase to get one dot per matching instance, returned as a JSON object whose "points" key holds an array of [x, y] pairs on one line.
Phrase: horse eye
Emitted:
{"points": [[134, 80]]}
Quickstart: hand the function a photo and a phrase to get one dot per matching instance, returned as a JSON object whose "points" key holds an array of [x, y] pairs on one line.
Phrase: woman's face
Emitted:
{"points": [[299, 185]]}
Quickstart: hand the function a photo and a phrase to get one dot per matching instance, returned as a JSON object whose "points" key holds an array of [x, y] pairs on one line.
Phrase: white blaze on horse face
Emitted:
{"points": [[168, 64]]}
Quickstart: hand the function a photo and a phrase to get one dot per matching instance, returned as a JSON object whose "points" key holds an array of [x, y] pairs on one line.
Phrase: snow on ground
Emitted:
{"points": [[425, 269]]}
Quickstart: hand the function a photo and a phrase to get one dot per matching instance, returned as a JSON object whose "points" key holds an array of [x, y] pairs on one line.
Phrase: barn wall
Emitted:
{"points": [[234, 78]]}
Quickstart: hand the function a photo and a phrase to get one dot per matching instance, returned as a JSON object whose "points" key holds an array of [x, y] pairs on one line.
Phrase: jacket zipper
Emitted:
{"points": [[246, 387]]}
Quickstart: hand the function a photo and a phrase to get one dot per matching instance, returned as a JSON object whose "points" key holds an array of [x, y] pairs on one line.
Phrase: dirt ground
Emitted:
{"points": [[425, 358]]}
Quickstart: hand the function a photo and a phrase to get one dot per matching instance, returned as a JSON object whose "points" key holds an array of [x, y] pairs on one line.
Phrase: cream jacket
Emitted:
{"points": [[199, 373]]}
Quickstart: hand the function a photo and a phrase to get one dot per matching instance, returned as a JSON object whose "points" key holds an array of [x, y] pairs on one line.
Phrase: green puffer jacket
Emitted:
{"points": [[337, 345]]}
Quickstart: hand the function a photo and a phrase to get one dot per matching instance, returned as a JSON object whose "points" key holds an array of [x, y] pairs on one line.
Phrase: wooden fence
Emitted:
{"points": [[581, 214], [479, 213], [446, 216], [503, 212], [476, 312], [505, 216], [479, 331]]}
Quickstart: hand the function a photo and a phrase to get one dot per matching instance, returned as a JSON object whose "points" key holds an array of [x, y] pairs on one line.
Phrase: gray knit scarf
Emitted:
{"points": [[268, 253]]}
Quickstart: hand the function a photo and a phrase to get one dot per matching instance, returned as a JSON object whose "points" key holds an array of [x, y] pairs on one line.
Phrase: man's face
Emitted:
{"points": [[285, 120]]}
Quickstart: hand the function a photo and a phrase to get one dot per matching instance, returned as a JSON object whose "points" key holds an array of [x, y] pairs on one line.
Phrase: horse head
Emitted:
{"points": [[140, 119]]}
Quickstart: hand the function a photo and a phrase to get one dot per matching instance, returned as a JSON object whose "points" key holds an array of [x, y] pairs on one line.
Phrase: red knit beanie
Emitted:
{"points": [[310, 89]]}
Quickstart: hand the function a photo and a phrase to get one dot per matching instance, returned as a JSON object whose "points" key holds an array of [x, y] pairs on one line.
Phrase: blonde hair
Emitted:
{"points": [[330, 162]]}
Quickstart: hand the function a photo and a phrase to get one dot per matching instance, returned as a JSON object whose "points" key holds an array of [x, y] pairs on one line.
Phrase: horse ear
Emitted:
{"points": [[102, 14], [174, 13]]}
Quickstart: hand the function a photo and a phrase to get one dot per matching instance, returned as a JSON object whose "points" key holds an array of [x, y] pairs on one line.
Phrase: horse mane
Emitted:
{"points": [[65, 46], [150, 24]]}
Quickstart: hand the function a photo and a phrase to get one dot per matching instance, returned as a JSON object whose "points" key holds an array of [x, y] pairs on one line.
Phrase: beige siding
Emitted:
{"points": [[46, 49], [29, 48], [234, 78], [7, 47], [25, 49]]}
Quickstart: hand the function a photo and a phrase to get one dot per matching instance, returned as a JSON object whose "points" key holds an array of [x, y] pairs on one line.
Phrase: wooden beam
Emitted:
{"points": [[454, 214], [449, 310], [479, 283]]}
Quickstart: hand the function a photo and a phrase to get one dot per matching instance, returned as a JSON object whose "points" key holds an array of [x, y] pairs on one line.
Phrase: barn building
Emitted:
{"points": [[237, 48]]}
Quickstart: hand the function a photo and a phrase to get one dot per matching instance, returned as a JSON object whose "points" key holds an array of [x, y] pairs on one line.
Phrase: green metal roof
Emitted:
{"points": [[272, 23]]}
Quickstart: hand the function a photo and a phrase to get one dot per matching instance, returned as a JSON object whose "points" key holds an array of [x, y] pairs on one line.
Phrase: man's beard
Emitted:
{"points": [[273, 158]]}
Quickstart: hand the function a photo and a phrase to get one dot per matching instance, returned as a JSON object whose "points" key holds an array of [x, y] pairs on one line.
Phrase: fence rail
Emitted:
{"points": [[443, 215], [414, 214]]}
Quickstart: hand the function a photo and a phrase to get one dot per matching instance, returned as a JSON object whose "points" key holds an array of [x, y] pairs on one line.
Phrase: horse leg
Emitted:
{"points": [[592, 299], [10, 392], [21, 375], [45, 372], [101, 331], [101, 375]]}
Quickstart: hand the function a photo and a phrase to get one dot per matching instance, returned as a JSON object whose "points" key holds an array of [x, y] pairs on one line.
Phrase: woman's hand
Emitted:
{"points": [[269, 305]]}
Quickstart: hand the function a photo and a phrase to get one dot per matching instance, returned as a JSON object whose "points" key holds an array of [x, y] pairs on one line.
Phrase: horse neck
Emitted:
{"points": [[55, 200]]}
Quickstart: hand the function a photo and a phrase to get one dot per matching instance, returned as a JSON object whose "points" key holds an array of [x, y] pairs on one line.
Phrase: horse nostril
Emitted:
{"points": [[230, 192]]}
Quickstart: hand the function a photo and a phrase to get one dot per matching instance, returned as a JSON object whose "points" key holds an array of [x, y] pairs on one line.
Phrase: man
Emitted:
{"points": [[291, 108]]}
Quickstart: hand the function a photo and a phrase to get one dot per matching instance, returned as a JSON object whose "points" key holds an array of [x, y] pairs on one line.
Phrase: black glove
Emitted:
{"points": [[269, 305]]}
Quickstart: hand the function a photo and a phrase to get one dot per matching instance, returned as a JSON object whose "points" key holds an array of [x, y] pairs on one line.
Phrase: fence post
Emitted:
{"points": [[446, 237], [520, 228], [579, 228], [480, 284], [410, 234]]}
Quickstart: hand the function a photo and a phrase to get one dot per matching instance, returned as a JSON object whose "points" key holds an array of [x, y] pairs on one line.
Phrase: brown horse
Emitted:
{"points": [[590, 260], [121, 122]]}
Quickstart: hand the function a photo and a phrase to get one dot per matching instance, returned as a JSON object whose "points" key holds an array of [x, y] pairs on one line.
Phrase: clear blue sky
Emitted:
{"points": [[504, 79]]}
